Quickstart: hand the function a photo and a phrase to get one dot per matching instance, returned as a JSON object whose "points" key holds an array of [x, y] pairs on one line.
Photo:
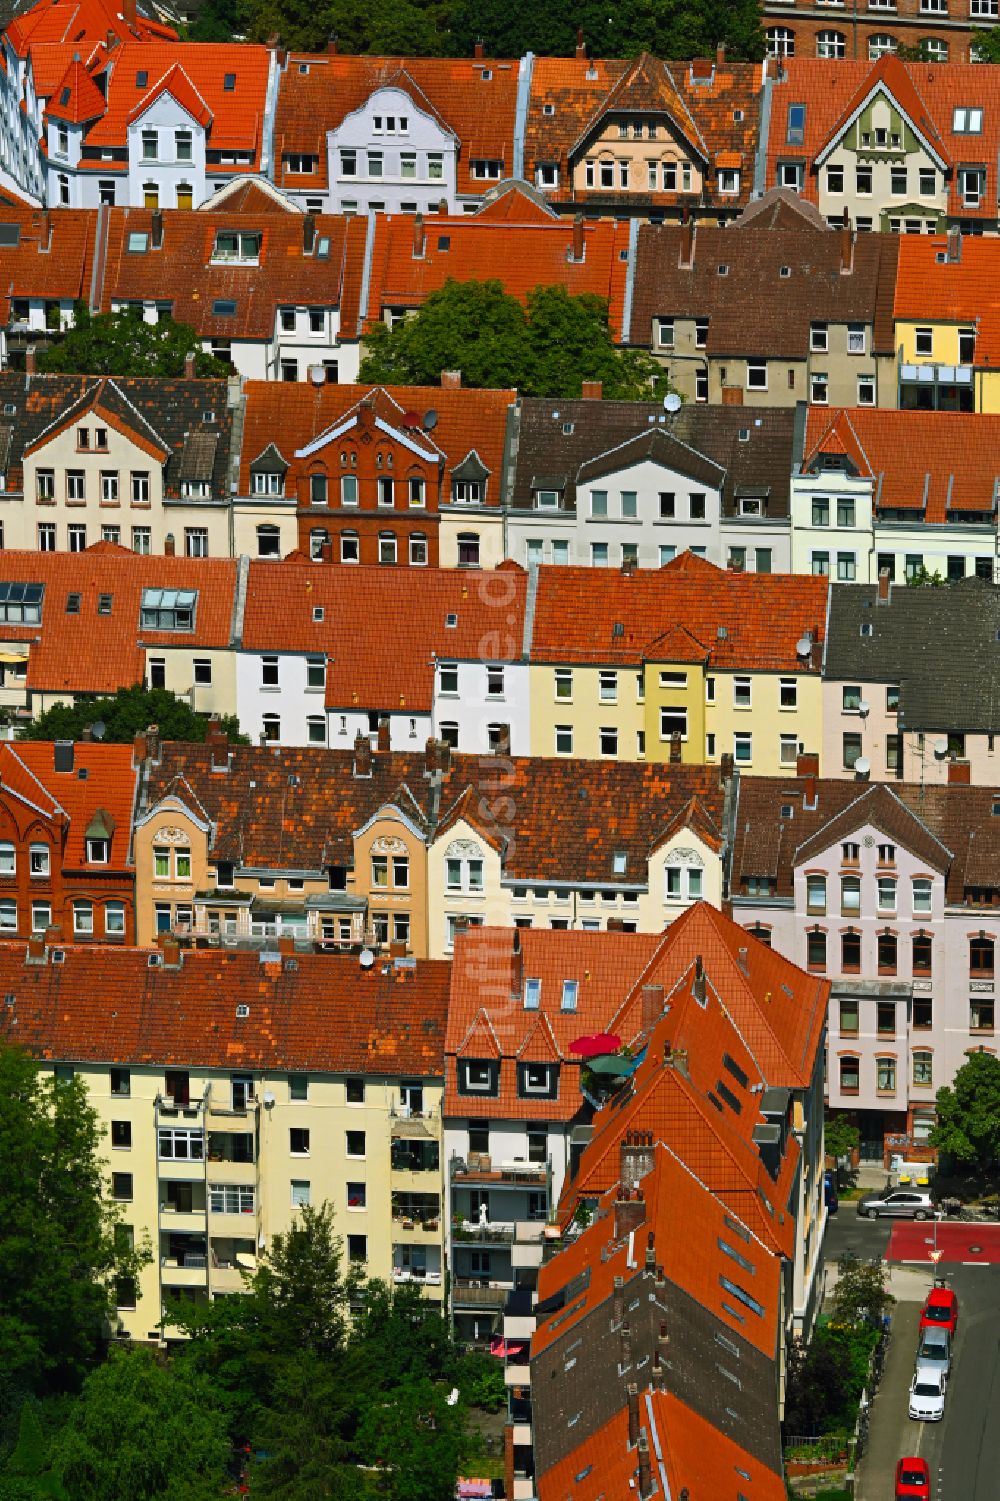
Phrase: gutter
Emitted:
{"points": [[521, 111], [366, 274], [633, 249], [760, 161]]}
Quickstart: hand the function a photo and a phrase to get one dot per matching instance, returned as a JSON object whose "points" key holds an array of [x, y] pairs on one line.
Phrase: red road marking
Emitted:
{"points": [[913, 1241]]}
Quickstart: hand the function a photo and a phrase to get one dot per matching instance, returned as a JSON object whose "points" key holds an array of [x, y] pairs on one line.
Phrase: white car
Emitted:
{"points": [[927, 1391]]}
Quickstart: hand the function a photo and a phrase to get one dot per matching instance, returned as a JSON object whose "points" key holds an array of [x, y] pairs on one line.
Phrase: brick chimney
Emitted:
{"points": [[884, 586], [675, 747], [720, 55], [581, 46], [578, 240], [190, 362], [308, 234], [478, 50], [331, 46], [635, 1157], [846, 246], [444, 755], [645, 1469], [726, 766], [592, 390], [286, 945], [431, 756], [153, 742], [616, 925], [419, 238], [30, 360], [218, 743], [362, 755], [516, 967], [171, 952], [630, 1212], [138, 749], [699, 980], [502, 747], [959, 774], [36, 949], [632, 1392], [652, 1006], [128, 12], [451, 380], [650, 1261], [326, 551], [807, 766], [688, 236], [383, 737], [732, 396], [169, 545]]}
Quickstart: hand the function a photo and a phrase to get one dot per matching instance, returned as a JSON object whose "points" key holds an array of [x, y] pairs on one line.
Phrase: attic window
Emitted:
{"points": [[723, 270], [569, 994], [10, 235], [72, 604], [787, 811], [242, 1012], [9, 409], [867, 629], [451, 621], [229, 82], [785, 271], [318, 614], [323, 248], [744, 435], [532, 994], [208, 416], [104, 604], [223, 307], [568, 427], [303, 67], [444, 242], [141, 79], [737, 115], [138, 242], [64, 97], [996, 807], [618, 862], [486, 75], [548, 109]]}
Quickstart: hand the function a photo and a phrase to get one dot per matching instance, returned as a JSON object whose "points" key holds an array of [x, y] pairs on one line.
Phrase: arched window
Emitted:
{"points": [[850, 1075], [318, 487], [416, 491], [268, 542], [880, 44], [981, 952], [185, 195], [831, 44], [933, 50], [83, 918], [762, 934], [780, 41], [886, 944], [150, 195], [387, 547], [468, 549], [816, 949], [418, 550]]}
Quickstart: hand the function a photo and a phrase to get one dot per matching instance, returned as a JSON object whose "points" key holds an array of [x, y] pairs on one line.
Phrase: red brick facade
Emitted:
{"points": [[843, 31]]}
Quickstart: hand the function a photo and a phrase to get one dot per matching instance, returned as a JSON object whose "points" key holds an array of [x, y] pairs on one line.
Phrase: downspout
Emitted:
{"points": [[521, 111]]}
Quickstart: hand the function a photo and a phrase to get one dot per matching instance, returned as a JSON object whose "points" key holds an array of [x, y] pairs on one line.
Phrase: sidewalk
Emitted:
{"points": [[908, 1284]]}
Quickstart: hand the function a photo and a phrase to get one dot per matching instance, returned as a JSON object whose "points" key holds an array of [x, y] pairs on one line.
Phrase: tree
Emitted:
{"points": [[667, 28], [841, 1137], [124, 344], [547, 349], [126, 715], [968, 1113], [144, 1431], [860, 1296], [920, 578], [58, 1251], [389, 27], [216, 21], [415, 1439], [302, 26]]}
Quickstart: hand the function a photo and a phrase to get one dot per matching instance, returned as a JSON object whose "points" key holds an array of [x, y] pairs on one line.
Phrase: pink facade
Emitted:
{"points": [[913, 756]]}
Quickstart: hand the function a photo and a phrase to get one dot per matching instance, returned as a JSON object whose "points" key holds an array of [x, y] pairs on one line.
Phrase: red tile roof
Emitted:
{"points": [[52, 258], [322, 1015], [91, 652], [77, 97], [383, 669], [930, 288], [76, 23], [520, 255], [479, 110], [102, 778], [291, 416], [177, 83], [937, 464], [182, 271], [731, 620]]}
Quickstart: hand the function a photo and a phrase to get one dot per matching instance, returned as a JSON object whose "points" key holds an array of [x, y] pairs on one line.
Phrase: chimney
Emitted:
{"points": [[732, 396], [846, 246], [218, 742], [517, 968], [954, 246], [138, 749], [63, 755], [87, 735], [308, 234], [128, 12], [286, 945], [645, 1470], [688, 233], [615, 925], [451, 380], [331, 46], [959, 773], [679, 1059], [630, 1213], [169, 545], [190, 364], [502, 747], [720, 55], [629, 566], [675, 748], [807, 767], [478, 50], [592, 390], [635, 1157], [383, 737], [362, 755], [743, 958], [578, 243], [884, 586], [171, 952], [581, 47], [326, 551], [444, 754], [157, 229], [36, 949], [419, 239], [652, 1006], [30, 360], [431, 756], [651, 1253], [699, 980], [726, 768], [153, 743], [632, 1396]]}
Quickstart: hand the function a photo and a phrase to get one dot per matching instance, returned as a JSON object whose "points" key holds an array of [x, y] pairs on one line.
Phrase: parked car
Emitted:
{"points": [[941, 1309], [899, 1203], [830, 1195], [927, 1391], [913, 1480], [934, 1348]]}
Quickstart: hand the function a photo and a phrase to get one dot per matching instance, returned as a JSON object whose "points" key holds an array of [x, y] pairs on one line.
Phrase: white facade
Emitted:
{"points": [[472, 700], [392, 156], [176, 169], [280, 697]]}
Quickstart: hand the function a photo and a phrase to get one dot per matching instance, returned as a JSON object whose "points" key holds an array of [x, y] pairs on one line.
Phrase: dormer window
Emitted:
{"points": [[477, 1076], [538, 1081], [237, 246], [98, 851], [168, 609], [547, 499], [967, 121]]}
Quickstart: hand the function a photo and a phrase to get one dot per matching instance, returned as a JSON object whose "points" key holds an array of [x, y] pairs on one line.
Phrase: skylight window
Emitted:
{"points": [[569, 994], [229, 82], [65, 96], [141, 79], [224, 307], [532, 994], [169, 609], [72, 604], [21, 604], [138, 242]]}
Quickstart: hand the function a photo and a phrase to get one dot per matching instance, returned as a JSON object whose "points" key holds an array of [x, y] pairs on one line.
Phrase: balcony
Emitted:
{"points": [[223, 1110], [179, 1221], [228, 1279], [190, 1270], [414, 1274], [479, 1167], [472, 1293], [416, 1231], [414, 1125], [183, 1170], [471, 1233], [224, 1169]]}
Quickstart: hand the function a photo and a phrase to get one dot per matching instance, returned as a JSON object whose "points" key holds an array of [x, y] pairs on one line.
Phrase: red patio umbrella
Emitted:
{"points": [[597, 1044]]}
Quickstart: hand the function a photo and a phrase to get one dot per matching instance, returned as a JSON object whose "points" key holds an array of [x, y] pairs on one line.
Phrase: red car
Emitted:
{"points": [[913, 1480], [941, 1310]]}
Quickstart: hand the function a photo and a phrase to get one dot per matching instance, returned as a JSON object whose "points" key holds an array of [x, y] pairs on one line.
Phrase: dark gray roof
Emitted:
{"points": [[198, 457], [942, 646], [659, 445], [471, 467], [754, 448]]}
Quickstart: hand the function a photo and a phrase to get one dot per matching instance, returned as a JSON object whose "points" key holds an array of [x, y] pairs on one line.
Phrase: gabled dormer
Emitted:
{"points": [[641, 138]]}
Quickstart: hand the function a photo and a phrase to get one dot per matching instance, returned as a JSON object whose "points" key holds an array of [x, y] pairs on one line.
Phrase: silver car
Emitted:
{"points": [[934, 1350], [899, 1203]]}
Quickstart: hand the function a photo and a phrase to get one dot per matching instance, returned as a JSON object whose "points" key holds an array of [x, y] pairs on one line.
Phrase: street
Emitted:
{"points": [[963, 1451]]}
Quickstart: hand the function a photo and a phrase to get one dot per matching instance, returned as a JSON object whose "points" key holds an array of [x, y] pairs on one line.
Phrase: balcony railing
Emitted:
{"points": [[466, 1293], [470, 1232], [480, 1167], [414, 1274]]}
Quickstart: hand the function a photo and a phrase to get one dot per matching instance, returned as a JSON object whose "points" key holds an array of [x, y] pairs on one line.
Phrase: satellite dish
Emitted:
{"points": [[366, 958], [671, 402], [430, 420], [862, 766], [941, 746], [411, 419], [864, 708], [317, 374], [803, 646], [98, 729]]}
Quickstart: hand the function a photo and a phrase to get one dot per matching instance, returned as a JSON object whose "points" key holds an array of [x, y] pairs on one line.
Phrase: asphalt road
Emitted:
{"points": [[963, 1451]]}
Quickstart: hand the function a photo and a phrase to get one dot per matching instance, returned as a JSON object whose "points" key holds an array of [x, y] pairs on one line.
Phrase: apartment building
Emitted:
{"points": [[404, 476], [945, 327], [66, 866], [891, 893], [689, 658], [704, 300], [910, 683], [905, 492], [130, 462], [45, 261], [798, 30], [609, 483], [235, 1088]]}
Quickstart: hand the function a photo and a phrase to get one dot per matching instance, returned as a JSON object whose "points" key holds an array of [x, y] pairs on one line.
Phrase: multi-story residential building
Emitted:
{"points": [[688, 660], [457, 671], [801, 29], [911, 493], [908, 147], [235, 1088], [395, 135], [610, 483], [616, 1411], [946, 333], [270, 291], [641, 138], [911, 683], [892, 893], [409, 476], [79, 625], [703, 302], [133, 462], [65, 853], [45, 267]]}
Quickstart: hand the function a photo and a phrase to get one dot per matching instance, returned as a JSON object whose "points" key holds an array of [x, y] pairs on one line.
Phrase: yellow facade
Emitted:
{"points": [[582, 699], [945, 350], [206, 1184]]}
